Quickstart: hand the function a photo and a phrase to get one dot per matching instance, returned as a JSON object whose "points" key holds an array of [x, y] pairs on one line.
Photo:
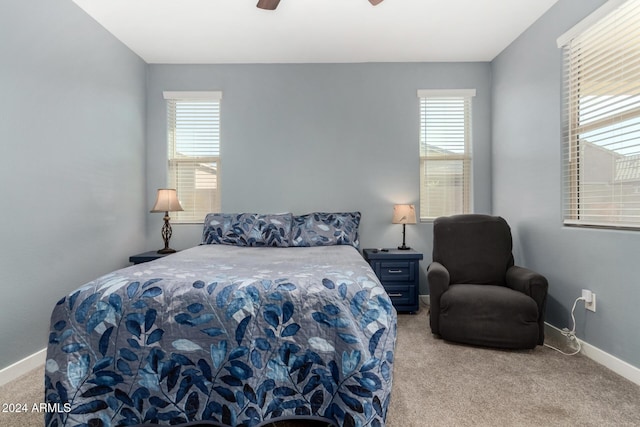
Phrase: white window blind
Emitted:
{"points": [[601, 141], [445, 152], [193, 121]]}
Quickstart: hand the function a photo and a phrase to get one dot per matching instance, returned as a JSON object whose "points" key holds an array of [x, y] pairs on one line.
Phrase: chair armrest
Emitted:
{"points": [[533, 284], [528, 282], [438, 278]]}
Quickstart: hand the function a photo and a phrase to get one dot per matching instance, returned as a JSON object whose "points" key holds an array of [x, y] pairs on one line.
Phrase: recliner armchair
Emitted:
{"points": [[478, 296]]}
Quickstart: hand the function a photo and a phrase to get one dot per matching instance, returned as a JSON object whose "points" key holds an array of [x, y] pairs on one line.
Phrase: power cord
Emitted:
{"points": [[570, 334]]}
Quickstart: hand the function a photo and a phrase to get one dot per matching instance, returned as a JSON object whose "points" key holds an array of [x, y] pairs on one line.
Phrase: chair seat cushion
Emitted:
{"points": [[488, 315]]}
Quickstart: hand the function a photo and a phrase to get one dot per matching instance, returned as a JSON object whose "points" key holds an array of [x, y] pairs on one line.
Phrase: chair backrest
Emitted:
{"points": [[474, 248]]}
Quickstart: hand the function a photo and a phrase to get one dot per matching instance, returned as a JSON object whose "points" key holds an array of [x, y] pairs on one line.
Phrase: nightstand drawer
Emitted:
{"points": [[401, 294], [397, 271]]}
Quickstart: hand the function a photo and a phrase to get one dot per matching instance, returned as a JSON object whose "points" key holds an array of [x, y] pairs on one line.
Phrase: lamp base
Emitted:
{"points": [[167, 251], [404, 247], [166, 235]]}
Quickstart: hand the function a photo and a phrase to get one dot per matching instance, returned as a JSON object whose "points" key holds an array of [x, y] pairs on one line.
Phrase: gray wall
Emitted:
{"points": [[320, 137], [527, 94], [73, 162]]}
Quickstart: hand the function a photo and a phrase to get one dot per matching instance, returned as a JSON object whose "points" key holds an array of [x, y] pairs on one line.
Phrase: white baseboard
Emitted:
{"points": [[23, 366], [607, 360], [618, 366], [425, 299]]}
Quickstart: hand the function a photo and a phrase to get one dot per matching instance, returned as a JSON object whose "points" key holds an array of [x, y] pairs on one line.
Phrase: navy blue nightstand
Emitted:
{"points": [[146, 257], [398, 271]]}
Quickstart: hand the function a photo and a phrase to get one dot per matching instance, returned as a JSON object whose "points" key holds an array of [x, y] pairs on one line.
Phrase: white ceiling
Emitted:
{"points": [[307, 31]]}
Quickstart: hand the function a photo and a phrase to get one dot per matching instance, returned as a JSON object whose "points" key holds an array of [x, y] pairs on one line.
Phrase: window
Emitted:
{"points": [[193, 122], [601, 141], [445, 152]]}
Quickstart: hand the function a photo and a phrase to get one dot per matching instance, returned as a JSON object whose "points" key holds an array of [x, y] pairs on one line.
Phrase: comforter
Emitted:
{"points": [[231, 335]]}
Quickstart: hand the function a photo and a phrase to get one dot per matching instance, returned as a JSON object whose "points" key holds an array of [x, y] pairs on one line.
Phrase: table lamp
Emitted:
{"points": [[166, 201], [404, 214]]}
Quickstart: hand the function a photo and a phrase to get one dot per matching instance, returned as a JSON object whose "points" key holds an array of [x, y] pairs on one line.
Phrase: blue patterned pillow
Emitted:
{"points": [[325, 229], [247, 229]]}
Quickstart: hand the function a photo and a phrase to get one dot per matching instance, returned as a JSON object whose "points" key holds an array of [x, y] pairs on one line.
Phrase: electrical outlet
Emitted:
{"points": [[591, 305]]}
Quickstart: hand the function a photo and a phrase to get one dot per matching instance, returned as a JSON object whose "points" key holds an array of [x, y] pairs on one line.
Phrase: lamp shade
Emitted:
{"points": [[167, 201], [404, 214]]}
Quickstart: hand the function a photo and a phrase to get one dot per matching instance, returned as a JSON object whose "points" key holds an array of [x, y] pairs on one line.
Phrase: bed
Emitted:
{"points": [[272, 317]]}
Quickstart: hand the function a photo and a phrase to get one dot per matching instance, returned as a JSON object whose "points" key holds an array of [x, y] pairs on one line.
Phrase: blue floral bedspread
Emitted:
{"points": [[240, 336]]}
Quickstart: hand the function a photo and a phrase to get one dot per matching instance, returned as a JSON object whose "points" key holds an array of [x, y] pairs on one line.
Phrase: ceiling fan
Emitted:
{"points": [[272, 4]]}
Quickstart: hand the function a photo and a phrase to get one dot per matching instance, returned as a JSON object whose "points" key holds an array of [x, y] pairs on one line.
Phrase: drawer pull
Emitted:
{"points": [[394, 271], [395, 295]]}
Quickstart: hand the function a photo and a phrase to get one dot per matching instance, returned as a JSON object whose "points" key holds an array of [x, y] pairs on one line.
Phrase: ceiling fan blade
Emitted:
{"points": [[270, 4], [375, 2]]}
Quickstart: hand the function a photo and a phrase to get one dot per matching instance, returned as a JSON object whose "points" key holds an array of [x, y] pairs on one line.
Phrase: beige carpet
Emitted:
{"points": [[442, 384]]}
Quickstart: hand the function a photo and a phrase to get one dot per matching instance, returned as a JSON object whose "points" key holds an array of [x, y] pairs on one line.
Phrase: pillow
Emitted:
{"points": [[247, 229], [325, 229]]}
